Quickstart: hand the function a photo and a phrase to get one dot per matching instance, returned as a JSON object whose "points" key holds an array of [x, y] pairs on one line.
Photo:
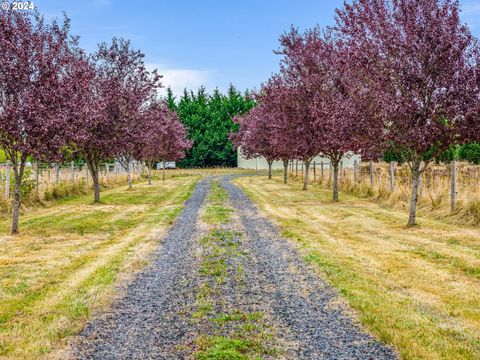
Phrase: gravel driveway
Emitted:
{"points": [[153, 320]]}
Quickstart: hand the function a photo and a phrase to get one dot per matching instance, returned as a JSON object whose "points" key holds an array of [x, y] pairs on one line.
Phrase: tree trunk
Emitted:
{"points": [[129, 175], [415, 185], [163, 170], [96, 187], [269, 169], [94, 166], [18, 172], [149, 164], [285, 171], [335, 180], [305, 177], [453, 187]]}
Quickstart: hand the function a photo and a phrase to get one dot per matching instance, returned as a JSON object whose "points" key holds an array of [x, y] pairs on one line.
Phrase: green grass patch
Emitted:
{"points": [[415, 289], [68, 256], [234, 335], [216, 211]]}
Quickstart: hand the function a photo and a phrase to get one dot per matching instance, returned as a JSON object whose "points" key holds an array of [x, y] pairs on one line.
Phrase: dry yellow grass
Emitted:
{"points": [[434, 194], [417, 289], [69, 257]]}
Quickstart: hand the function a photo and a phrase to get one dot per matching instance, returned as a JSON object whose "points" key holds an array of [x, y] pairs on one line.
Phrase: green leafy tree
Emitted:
{"points": [[208, 119], [470, 152], [395, 153], [448, 156]]}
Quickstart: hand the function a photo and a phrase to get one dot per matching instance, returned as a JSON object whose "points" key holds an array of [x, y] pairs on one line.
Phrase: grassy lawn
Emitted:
{"points": [[69, 256], [417, 289]]}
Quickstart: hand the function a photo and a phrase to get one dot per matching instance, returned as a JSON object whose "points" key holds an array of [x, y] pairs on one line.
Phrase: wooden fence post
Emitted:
{"points": [[72, 166], [453, 190], [37, 175], [107, 170], [321, 169], [355, 171], [314, 172], [57, 173], [296, 168], [303, 173], [371, 173], [392, 176], [7, 180], [86, 177], [330, 171]]}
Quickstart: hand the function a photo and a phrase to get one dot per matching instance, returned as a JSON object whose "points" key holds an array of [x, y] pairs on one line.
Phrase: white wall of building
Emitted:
{"points": [[261, 163]]}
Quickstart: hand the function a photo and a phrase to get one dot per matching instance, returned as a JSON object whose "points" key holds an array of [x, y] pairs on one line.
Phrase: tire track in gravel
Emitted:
{"points": [[159, 316], [153, 317], [303, 305]]}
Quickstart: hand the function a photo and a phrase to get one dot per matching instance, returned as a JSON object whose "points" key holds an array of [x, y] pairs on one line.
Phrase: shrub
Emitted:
{"points": [[470, 152]]}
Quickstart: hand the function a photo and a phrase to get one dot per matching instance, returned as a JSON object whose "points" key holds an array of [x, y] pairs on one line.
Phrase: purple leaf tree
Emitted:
{"points": [[416, 57], [294, 101], [165, 137], [283, 130], [33, 84], [340, 107], [96, 133], [135, 87], [256, 136]]}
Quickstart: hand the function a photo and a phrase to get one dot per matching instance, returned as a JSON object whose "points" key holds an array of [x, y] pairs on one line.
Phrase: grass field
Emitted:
{"points": [[417, 289], [69, 256]]}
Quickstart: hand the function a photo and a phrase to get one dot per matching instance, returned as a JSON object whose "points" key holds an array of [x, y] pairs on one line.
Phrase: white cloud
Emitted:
{"points": [[179, 79]]}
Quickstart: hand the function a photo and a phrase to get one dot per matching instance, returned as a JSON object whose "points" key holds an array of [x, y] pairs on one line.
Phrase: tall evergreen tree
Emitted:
{"points": [[209, 121]]}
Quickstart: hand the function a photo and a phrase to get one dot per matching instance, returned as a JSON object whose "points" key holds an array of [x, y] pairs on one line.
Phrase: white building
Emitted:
{"points": [[261, 163]]}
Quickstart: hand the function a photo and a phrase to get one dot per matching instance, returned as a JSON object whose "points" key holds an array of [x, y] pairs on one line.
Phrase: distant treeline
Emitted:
{"points": [[208, 119], [468, 152]]}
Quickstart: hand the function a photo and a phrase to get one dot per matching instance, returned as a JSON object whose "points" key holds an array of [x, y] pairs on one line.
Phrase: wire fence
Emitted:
{"points": [[42, 177], [455, 184]]}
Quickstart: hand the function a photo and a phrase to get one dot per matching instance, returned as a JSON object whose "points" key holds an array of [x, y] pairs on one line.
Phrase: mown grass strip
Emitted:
{"points": [[236, 335], [416, 289], [54, 275]]}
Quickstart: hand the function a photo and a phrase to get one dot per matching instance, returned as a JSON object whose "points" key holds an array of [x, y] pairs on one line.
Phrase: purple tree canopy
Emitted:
{"points": [[127, 88], [33, 59], [34, 87], [256, 135], [165, 136], [340, 107], [416, 57]]}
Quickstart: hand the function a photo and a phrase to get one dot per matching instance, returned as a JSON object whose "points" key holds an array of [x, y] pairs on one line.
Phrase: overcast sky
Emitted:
{"points": [[204, 42]]}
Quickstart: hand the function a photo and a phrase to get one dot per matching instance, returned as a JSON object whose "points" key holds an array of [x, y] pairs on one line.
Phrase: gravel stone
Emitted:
{"points": [[153, 316], [153, 319], [301, 302]]}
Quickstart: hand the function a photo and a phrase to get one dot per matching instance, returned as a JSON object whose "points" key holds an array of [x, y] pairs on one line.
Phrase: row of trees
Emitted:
{"points": [[401, 75], [208, 119], [56, 99], [466, 152]]}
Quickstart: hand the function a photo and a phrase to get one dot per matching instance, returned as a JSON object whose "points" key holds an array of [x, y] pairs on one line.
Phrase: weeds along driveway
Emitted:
{"points": [[69, 256], [226, 285], [417, 289]]}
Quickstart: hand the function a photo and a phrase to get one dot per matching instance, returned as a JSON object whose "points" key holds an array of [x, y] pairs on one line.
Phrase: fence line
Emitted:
{"points": [[457, 181], [40, 174]]}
